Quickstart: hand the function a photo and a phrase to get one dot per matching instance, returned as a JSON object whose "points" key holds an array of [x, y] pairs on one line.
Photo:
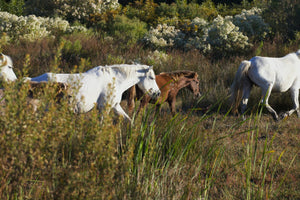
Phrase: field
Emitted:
{"points": [[204, 152]]}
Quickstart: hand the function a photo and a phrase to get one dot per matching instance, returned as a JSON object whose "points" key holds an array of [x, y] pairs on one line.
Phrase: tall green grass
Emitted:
{"points": [[54, 153]]}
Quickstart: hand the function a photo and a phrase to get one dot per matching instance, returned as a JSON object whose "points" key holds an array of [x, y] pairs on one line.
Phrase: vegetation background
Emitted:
{"points": [[201, 153]]}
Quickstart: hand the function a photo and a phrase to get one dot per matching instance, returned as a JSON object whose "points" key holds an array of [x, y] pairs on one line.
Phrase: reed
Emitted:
{"points": [[197, 154]]}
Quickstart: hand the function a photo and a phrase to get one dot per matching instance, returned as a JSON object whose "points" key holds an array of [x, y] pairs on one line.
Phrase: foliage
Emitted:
{"points": [[74, 10], [143, 10], [222, 35], [154, 14], [199, 153], [81, 10], [13, 6], [162, 36], [203, 152], [33, 28], [251, 23], [282, 17], [130, 31], [40, 8]]}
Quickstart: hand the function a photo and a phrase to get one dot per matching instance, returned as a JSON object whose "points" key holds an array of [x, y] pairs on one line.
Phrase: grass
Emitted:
{"points": [[196, 154]]}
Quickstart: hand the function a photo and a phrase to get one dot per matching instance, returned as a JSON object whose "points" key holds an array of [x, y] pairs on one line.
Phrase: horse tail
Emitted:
{"points": [[240, 78]]}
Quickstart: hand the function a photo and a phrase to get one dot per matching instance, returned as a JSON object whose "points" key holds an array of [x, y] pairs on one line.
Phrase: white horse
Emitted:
{"points": [[105, 84], [270, 74], [6, 68]]}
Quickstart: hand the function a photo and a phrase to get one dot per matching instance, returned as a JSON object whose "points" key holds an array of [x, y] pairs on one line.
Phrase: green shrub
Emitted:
{"points": [[143, 10], [40, 8], [14, 6], [127, 30], [283, 17], [166, 11]]}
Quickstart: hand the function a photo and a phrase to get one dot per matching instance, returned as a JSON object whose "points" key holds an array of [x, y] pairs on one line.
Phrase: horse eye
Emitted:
{"points": [[151, 77], [9, 66]]}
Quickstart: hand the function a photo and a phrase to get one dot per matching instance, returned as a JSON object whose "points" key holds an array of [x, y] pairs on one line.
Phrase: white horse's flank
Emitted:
{"points": [[270, 74], [6, 68], [105, 84]]}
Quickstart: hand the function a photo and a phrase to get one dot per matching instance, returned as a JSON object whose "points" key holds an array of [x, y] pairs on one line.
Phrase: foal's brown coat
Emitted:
{"points": [[169, 84]]}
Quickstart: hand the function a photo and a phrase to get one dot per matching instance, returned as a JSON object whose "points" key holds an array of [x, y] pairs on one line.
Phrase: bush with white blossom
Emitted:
{"points": [[71, 10], [222, 34], [157, 57], [230, 34], [33, 28], [252, 24], [162, 36]]}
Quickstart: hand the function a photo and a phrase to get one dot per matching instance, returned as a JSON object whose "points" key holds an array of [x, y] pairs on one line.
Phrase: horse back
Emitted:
{"points": [[282, 72]]}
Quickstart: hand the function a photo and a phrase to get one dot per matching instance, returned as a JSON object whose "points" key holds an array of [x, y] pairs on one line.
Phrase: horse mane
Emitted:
{"points": [[175, 75], [121, 68]]}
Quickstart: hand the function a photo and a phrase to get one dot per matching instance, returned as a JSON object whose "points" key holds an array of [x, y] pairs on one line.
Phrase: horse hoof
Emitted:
{"points": [[283, 116]]}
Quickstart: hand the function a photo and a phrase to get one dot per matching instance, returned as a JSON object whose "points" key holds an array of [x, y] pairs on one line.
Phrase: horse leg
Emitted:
{"points": [[130, 99], [119, 111], [144, 101], [266, 92], [158, 108], [245, 98], [294, 95], [172, 103]]}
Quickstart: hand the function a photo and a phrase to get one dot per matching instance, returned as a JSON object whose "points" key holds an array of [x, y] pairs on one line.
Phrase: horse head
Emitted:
{"points": [[147, 82], [194, 84], [6, 68], [298, 53]]}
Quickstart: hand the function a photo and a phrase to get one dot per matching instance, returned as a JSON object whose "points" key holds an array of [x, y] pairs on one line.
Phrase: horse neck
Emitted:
{"points": [[125, 81], [182, 82], [164, 81]]}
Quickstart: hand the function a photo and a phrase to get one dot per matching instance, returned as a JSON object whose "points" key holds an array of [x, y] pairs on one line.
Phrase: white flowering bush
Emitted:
{"points": [[32, 27], [229, 34], [157, 57], [252, 24], [162, 36], [196, 36], [222, 34], [71, 10]]}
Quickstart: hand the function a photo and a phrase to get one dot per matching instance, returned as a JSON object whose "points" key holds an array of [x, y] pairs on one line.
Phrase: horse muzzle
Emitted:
{"points": [[197, 95], [154, 94]]}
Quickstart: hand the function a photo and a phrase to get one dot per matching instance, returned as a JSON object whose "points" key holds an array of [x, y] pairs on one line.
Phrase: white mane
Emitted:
{"points": [[124, 69]]}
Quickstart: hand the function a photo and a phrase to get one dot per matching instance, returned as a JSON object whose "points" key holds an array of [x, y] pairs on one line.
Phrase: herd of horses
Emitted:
{"points": [[105, 85]]}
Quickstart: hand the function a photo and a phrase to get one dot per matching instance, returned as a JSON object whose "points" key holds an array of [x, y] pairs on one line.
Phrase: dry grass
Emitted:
{"points": [[56, 154]]}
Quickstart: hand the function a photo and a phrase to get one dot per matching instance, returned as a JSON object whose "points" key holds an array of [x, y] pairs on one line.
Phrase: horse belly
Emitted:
{"points": [[265, 72], [284, 80], [82, 107], [87, 96], [281, 85]]}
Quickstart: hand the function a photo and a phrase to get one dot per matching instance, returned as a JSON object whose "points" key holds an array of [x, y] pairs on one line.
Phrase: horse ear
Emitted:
{"points": [[298, 53], [2, 59], [150, 67]]}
